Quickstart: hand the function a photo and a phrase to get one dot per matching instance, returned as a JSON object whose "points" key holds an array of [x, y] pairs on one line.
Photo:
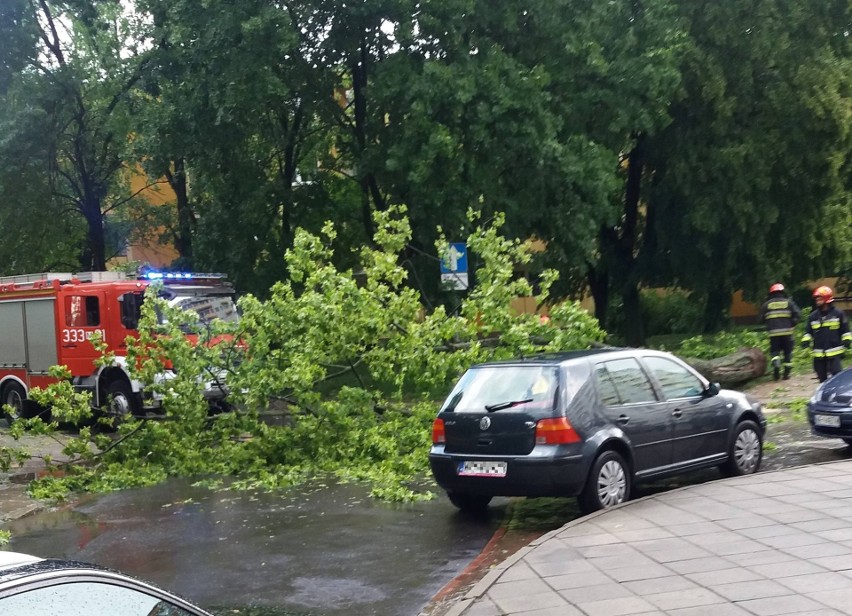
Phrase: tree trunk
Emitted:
{"points": [[739, 367], [716, 309], [626, 248], [359, 95], [95, 252], [634, 331], [599, 287], [186, 218], [291, 127]]}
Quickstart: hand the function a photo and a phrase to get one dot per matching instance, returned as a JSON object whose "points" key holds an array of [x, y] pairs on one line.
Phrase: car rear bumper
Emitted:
{"points": [[542, 476]]}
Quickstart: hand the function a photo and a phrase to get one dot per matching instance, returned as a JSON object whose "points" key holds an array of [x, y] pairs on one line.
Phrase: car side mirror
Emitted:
{"points": [[713, 389]]}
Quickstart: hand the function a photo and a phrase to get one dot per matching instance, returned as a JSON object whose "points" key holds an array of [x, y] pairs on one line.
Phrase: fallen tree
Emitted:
{"points": [[733, 369], [359, 367]]}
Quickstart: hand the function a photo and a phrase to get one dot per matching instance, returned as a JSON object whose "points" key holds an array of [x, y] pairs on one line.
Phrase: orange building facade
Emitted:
{"points": [[149, 250]]}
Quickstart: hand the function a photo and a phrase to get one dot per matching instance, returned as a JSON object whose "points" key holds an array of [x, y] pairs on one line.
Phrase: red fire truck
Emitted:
{"points": [[48, 319]]}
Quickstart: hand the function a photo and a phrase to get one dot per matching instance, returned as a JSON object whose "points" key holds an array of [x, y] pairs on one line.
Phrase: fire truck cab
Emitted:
{"points": [[49, 319]]}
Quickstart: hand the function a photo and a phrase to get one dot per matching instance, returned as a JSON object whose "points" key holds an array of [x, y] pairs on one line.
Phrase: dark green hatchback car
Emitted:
{"points": [[588, 424]]}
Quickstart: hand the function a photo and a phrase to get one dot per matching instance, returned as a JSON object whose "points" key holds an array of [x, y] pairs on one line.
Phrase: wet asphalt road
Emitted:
{"points": [[792, 444], [327, 549]]}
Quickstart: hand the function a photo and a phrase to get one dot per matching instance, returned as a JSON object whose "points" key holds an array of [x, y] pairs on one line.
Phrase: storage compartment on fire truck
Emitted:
{"points": [[28, 337]]}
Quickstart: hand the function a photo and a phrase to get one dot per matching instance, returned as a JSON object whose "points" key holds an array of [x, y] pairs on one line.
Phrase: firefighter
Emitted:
{"points": [[827, 332], [780, 314]]}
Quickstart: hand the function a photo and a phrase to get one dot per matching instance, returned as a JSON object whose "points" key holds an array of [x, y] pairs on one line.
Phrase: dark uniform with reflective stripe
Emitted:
{"points": [[827, 333], [780, 315]]}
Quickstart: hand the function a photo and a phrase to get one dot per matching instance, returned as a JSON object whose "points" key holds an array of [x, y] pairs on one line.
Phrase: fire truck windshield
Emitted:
{"points": [[207, 307]]}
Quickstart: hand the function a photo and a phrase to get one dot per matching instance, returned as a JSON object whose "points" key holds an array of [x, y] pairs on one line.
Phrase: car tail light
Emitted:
{"points": [[438, 434], [555, 431]]}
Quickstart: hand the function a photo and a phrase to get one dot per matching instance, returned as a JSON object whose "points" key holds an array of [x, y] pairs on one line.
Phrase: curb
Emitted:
{"points": [[456, 583], [17, 503]]}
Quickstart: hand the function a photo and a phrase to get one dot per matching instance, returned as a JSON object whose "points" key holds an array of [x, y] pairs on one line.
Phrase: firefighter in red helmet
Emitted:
{"points": [[780, 314], [827, 333]]}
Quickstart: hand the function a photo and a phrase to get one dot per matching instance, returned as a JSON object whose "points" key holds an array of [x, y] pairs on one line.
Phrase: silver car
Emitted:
{"points": [[32, 586]]}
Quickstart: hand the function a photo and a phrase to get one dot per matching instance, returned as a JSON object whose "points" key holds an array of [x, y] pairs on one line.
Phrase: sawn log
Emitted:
{"points": [[729, 370]]}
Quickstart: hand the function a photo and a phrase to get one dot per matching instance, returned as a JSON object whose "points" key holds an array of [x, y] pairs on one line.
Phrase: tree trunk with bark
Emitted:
{"points": [[185, 217], [95, 254], [733, 369], [599, 286], [627, 247]]}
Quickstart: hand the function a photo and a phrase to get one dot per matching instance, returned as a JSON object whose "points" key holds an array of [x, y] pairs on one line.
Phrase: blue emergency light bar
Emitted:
{"points": [[180, 276]]}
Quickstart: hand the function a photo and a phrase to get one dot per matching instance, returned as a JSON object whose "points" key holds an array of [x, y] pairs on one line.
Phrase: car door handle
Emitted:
{"points": [[623, 419], [677, 413]]}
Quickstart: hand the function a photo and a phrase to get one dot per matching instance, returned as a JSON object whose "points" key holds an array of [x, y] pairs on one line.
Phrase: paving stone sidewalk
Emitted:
{"points": [[767, 544], [14, 500]]}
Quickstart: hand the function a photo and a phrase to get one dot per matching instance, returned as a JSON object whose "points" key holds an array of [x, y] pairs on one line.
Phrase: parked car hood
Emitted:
{"points": [[837, 389]]}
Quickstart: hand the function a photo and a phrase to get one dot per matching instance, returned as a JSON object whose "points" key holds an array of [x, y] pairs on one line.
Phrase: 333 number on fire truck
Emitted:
{"points": [[81, 335]]}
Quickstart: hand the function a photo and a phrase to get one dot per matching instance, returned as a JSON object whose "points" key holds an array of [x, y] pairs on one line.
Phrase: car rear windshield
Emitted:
{"points": [[496, 388]]}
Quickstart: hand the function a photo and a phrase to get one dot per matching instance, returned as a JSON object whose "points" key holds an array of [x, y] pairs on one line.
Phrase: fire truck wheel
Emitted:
{"points": [[15, 396], [120, 401]]}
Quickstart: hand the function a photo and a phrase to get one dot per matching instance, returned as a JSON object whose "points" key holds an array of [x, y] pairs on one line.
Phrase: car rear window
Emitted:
{"points": [[504, 387]]}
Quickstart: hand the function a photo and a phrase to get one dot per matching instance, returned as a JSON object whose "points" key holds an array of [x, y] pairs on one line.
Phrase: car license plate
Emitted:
{"points": [[829, 421], [482, 469]]}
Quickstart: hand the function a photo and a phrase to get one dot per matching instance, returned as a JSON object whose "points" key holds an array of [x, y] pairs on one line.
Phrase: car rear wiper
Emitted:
{"points": [[505, 405]]}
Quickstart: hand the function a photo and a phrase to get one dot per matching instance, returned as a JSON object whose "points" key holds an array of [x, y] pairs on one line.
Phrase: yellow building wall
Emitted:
{"points": [[741, 309], [149, 249], [523, 305]]}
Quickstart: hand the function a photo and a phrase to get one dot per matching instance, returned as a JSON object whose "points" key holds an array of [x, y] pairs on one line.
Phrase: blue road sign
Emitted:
{"points": [[454, 261], [454, 267]]}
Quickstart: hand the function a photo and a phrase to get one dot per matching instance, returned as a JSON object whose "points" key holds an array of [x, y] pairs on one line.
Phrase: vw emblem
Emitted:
{"points": [[484, 423]]}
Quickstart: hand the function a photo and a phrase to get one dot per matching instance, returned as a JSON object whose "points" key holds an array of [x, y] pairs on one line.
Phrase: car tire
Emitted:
{"points": [[608, 484], [745, 451], [469, 502], [14, 395]]}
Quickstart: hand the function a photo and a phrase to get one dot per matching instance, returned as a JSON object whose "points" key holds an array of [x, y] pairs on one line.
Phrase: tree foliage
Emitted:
{"points": [[747, 171], [351, 359], [752, 174], [67, 79], [639, 141]]}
